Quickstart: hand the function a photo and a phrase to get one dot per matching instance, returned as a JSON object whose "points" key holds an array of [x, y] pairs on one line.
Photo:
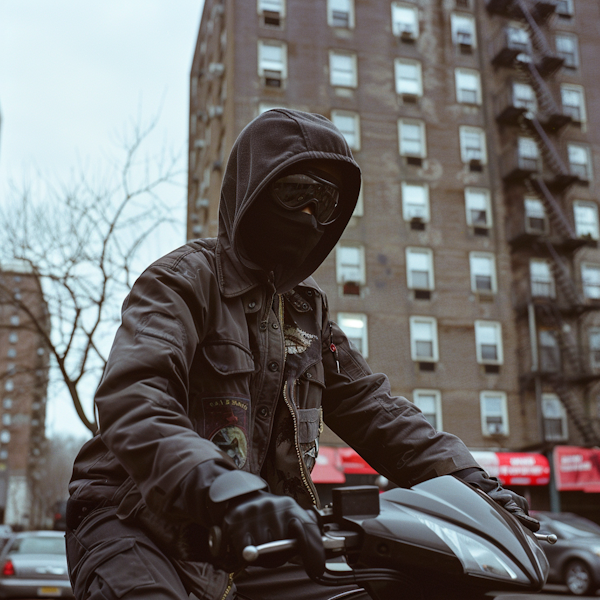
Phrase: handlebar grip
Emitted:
{"points": [[251, 553], [550, 538]]}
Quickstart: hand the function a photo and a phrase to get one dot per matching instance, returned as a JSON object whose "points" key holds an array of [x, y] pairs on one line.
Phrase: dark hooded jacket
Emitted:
{"points": [[220, 366]]}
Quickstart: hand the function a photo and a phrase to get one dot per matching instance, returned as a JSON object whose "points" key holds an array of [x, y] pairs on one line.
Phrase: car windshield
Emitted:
{"points": [[573, 528], [38, 545]]}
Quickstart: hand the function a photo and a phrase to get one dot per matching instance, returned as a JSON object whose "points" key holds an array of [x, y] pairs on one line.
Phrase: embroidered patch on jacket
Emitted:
{"points": [[226, 425], [296, 340]]}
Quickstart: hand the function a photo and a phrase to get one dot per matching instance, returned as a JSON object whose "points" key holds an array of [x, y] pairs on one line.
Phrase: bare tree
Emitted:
{"points": [[82, 241]]}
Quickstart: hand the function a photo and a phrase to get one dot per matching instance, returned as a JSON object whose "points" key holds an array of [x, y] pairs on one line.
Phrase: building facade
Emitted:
{"points": [[23, 380], [470, 272]]}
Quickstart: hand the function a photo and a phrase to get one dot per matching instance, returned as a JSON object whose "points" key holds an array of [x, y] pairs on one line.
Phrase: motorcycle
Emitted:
{"points": [[441, 539]]}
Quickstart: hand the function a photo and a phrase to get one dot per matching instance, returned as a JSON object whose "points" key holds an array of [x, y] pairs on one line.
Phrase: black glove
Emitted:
{"points": [[512, 502], [251, 516]]}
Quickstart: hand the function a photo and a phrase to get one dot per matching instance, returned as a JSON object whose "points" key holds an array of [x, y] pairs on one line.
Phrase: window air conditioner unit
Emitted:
{"points": [[199, 144], [464, 39], [495, 428], [406, 31], [214, 111], [202, 203], [273, 78]]}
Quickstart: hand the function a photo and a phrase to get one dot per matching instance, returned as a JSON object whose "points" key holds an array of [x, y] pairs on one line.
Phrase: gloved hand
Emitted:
{"points": [[512, 502], [251, 516]]}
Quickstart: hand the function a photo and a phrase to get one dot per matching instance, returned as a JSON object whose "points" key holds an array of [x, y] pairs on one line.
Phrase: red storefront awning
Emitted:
{"points": [[577, 469], [515, 468], [328, 468], [354, 464]]}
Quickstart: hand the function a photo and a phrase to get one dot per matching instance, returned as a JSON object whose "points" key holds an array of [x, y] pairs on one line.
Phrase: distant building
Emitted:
{"points": [[470, 272], [23, 382]]}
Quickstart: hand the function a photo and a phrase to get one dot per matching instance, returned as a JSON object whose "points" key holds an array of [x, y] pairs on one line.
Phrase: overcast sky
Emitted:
{"points": [[72, 74]]}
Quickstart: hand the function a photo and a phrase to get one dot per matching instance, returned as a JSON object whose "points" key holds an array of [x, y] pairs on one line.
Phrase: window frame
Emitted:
{"points": [[551, 282], [493, 275], [405, 213], [467, 129], [575, 63], [411, 251], [588, 176], [262, 9], [438, 404], [529, 103], [546, 397], [504, 412], [355, 117], [419, 80], [353, 61], [593, 352], [422, 141], [261, 67], [455, 18], [526, 216], [586, 285], [582, 232], [405, 33], [463, 72], [579, 90], [351, 15], [339, 266], [471, 192], [365, 336], [432, 321], [570, 9], [497, 325]]}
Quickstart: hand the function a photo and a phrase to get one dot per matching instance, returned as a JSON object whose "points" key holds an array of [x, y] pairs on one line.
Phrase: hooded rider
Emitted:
{"points": [[220, 377]]}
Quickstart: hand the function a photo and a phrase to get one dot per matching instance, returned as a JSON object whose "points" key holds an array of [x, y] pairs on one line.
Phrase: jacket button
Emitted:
{"points": [[309, 292], [273, 366], [309, 376], [305, 306], [263, 412], [263, 327], [251, 304], [275, 325]]}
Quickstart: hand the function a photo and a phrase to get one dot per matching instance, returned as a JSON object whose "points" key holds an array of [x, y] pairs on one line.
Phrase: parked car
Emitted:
{"points": [[575, 558], [60, 515], [33, 564], [5, 534]]}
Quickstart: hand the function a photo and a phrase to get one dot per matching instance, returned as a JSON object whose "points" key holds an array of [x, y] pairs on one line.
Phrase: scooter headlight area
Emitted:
{"points": [[477, 556]]}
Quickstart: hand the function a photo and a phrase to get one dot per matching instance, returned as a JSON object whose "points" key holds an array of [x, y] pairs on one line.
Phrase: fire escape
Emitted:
{"points": [[540, 171]]}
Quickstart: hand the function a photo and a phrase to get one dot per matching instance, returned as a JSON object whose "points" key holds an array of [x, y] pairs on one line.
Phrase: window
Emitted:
{"points": [[564, 8], [579, 161], [272, 11], [342, 69], [409, 79], [541, 278], [419, 269], [594, 337], [590, 280], [430, 403], [340, 13], [412, 138], [483, 272], [272, 62], [478, 206], [7, 403], [573, 102], [468, 86], [6, 420], [549, 351], [423, 339], [415, 201], [14, 320], [555, 418], [349, 124], [11, 353], [5, 437], [359, 209], [528, 154], [524, 96], [566, 48], [586, 219], [536, 220], [354, 325], [350, 268], [472, 145], [13, 337], [265, 106], [9, 385], [463, 30], [517, 38], [494, 416], [405, 21], [488, 342]]}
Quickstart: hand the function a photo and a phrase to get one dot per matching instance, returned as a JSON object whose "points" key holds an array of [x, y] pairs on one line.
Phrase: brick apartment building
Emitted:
{"points": [[23, 382], [469, 273]]}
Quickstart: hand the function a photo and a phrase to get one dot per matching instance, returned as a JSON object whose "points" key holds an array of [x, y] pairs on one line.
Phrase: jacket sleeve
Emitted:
{"points": [[143, 395], [388, 431]]}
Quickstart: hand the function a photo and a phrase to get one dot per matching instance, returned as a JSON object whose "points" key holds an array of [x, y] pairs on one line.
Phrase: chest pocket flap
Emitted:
{"points": [[229, 358]]}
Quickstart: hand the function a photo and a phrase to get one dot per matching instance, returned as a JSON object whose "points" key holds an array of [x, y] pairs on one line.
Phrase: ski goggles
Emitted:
{"points": [[298, 190]]}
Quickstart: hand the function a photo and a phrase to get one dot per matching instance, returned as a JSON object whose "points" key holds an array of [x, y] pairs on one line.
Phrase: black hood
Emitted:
{"points": [[272, 142]]}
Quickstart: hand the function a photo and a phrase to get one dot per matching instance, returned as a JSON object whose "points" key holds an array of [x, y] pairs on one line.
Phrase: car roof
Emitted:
{"points": [[44, 533]]}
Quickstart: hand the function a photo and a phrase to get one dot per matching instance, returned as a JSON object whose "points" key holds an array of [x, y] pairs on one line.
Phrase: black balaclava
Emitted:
{"points": [[275, 238]]}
